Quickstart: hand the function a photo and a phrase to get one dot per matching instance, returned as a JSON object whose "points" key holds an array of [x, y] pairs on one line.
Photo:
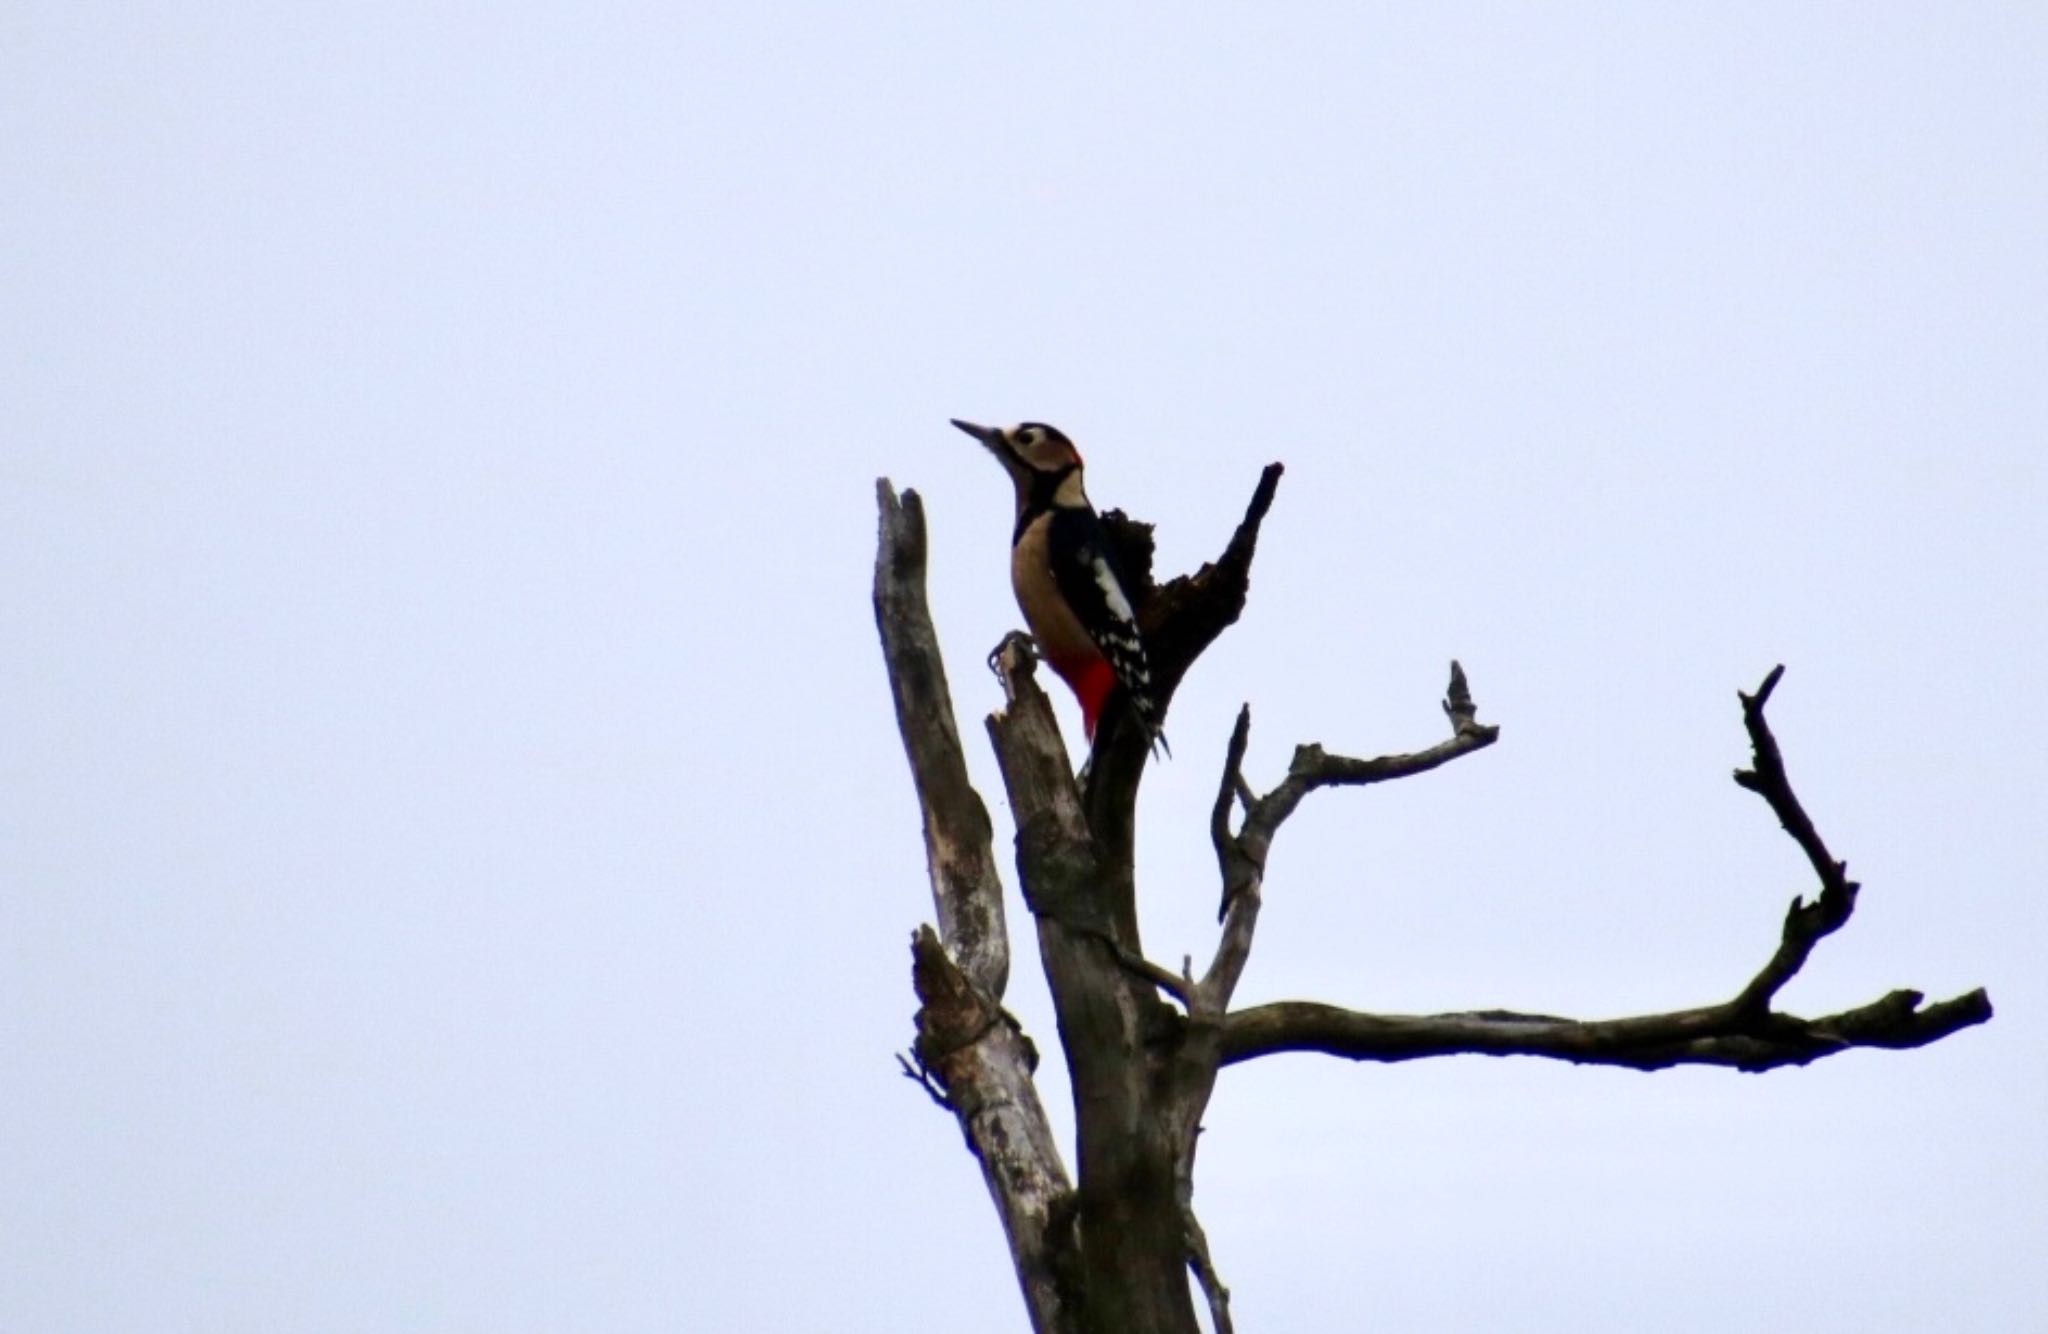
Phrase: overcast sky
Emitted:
{"points": [[456, 860]]}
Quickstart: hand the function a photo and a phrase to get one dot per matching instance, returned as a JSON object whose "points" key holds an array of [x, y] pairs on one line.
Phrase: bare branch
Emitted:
{"points": [[1185, 615], [1805, 923], [1238, 872], [1458, 705], [958, 838], [1241, 857], [1243, 876], [1314, 768], [1743, 1032], [1179, 620], [1245, 795], [1716, 1035], [969, 1056], [977, 1064]]}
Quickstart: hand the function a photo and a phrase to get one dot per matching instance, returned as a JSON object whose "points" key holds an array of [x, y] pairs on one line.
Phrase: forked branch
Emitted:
{"points": [[1743, 1032], [1241, 856], [1805, 923]]}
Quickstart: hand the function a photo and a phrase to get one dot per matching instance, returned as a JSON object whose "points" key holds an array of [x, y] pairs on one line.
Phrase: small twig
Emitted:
{"points": [[1805, 923], [1457, 704], [1314, 768], [1236, 869], [1769, 780], [922, 1077], [1180, 988], [1241, 860]]}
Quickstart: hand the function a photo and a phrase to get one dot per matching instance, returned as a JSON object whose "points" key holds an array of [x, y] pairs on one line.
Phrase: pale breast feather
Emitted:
{"points": [[1043, 595]]}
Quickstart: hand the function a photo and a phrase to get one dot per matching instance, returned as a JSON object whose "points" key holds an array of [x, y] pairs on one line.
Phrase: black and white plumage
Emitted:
{"points": [[1065, 577]]}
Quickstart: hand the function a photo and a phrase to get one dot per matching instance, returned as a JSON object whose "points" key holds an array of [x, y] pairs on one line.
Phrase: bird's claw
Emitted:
{"points": [[1019, 641]]}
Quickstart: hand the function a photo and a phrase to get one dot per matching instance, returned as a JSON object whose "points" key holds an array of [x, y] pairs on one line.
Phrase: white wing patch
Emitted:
{"points": [[1119, 642], [1112, 591], [1119, 639]]}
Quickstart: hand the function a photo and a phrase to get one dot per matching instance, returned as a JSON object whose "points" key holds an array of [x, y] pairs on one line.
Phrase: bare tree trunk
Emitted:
{"points": [[1111, 1023]]}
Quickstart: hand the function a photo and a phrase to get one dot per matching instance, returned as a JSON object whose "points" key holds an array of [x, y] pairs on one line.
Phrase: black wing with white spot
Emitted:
{"points": [[1089, 582]]}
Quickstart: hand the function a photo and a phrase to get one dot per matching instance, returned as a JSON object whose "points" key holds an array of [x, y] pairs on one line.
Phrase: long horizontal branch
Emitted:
{"points": [[1743, 1032], [1715, 1035]]}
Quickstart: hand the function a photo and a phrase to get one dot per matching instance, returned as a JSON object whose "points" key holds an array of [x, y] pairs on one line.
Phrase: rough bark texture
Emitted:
{"points": [[969, 1053], [1132, 1252], [958, 839], [1114, 1253]]}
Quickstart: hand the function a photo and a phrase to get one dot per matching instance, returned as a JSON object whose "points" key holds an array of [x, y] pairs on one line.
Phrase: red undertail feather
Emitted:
{"points": [[1092, 679]]}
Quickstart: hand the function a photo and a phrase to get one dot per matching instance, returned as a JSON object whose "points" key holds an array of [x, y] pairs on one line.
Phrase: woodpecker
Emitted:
{"points": [[1065, 579]]}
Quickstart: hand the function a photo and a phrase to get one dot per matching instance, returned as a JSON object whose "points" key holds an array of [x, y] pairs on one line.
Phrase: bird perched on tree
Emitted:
{"points": [[1065, 578]]}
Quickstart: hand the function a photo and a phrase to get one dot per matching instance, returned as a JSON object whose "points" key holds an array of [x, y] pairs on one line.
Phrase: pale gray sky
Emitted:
{"points": [[456, 863]]}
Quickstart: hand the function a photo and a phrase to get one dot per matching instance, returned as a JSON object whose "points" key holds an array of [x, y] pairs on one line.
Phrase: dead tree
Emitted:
{"points": [[1109, 1250]]}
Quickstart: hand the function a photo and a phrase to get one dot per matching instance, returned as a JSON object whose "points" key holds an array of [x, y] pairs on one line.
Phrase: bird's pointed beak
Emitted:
{"points": [[989, 436]]}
